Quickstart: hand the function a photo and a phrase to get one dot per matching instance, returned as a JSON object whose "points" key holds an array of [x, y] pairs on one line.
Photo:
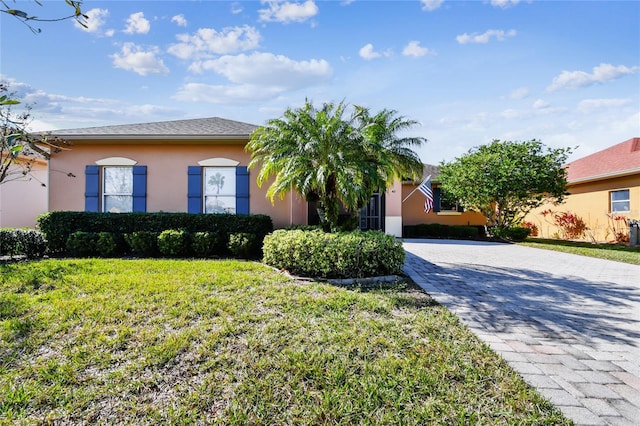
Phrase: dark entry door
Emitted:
{"points": [[371, 215]]}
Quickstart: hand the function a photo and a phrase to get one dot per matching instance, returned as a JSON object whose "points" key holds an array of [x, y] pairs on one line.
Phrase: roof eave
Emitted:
{"points": [[610, 175], [102, 137]]}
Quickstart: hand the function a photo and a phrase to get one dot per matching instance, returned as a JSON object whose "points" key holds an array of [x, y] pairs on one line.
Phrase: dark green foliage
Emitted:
{"points": [[515, 233], [334, 255], [107, 245], [82, 244], [57, 226], [505, 180], [435, 230], [174, 242], [22, 242], [336, 160], [242, 244], [143, 243], [206, 244]]}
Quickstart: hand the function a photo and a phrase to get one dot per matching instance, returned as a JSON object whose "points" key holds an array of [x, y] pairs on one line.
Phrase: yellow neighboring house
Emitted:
{"points": [[604, 191], [23, 199]]}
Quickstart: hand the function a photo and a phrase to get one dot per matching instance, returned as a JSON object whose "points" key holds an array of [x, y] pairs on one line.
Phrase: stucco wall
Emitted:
{"points": [[166, 177], [413, 211], [591, 202], [21, 201]]}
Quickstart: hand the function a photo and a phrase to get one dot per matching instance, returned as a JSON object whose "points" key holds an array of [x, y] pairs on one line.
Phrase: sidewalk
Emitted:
{"points": [[570, 325]]}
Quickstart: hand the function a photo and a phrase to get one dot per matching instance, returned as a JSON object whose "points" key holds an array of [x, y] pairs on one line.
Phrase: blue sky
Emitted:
{"points": [[564, 72]]}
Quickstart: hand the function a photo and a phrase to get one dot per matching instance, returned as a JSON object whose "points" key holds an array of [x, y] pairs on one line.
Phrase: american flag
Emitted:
{"points": [[425, 188]]}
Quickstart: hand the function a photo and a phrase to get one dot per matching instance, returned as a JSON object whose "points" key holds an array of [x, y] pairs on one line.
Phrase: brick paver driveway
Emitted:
{"points": [[570, 325]]}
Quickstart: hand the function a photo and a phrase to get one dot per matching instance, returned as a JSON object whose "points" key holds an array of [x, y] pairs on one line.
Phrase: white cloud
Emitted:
{"points": [[96, 22], [134, 58], [225, 95], [267, 69], [540, 104], [519, 93], [601, 74], [367, 52], [590, 105], [207, 41], [137, 24], [430, 5], [504, 3], [499, 35], [285, 11], [414, 49], [180, 20], [236, 8]]}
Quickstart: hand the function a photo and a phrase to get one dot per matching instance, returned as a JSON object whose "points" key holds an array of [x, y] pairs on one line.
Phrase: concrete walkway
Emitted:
{"points": [[570, 325]]}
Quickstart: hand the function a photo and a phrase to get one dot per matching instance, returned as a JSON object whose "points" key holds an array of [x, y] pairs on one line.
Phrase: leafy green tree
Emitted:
{"points": [[18, 148], [336, 161], [390, 156], [505, 180], [27, 18]]}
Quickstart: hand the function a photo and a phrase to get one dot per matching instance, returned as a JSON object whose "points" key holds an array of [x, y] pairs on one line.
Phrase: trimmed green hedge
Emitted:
{"points": [[318, 254], [436, 230], [22, 242], [57, 226], [515, 233]]}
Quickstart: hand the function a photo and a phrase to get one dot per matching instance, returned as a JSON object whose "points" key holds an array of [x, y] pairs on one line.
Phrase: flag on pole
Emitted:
{"points": [[425, 188]]}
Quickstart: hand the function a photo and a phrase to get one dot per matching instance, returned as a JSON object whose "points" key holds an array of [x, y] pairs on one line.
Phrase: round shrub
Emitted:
{"points": [[174, 242], [205, 244], [107, 244], [82, 244], [241, 244], [143, 243], [515, 233], [354, 254]]}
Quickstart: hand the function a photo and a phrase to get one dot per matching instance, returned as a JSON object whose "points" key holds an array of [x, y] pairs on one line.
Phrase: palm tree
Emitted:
{"points": [[335, 161]]}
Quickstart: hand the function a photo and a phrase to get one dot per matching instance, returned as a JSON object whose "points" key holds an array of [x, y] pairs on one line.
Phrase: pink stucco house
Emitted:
{"points": [[197, 166], [23, 199]]}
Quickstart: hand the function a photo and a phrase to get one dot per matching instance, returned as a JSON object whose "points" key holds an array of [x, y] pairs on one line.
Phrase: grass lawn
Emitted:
{"points": [[228, 342], [618, 252]]}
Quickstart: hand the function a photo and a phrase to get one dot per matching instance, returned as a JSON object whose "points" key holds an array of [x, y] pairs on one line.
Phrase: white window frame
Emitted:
{"points": [[625, 201], [224, 191], [122, 192]]}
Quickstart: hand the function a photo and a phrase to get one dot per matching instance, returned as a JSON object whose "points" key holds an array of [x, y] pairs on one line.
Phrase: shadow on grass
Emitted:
{"points": [[513, 299]]}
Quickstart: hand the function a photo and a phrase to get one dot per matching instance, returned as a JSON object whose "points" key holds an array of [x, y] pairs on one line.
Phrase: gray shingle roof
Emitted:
{"points": [[198, 127]]}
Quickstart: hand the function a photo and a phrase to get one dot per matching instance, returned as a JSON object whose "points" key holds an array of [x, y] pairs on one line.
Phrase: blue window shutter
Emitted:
{"points": [[436, 199], [242, 190], [92, 188], [194, 189], [140, 189]]}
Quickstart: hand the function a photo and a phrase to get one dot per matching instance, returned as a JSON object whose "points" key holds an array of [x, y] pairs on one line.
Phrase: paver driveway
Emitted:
{"points": [[570, 325]]}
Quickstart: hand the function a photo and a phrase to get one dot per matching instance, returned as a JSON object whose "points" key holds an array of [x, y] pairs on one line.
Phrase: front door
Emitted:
{"points": [[372, 215]]}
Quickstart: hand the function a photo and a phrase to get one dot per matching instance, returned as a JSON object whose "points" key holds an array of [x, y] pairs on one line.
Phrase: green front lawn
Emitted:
{"points": [[617, 252], [230, 342]]}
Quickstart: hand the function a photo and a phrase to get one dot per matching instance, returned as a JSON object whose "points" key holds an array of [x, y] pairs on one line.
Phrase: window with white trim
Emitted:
{"points": [[620, 201], [116, 185], [219, 190], [117, 189]]}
